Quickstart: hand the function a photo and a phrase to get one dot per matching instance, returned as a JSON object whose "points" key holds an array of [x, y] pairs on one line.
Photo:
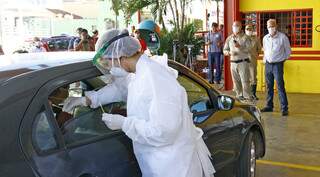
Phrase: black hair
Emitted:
{"points": [[79, 29], [214, 24], [84, 31]]}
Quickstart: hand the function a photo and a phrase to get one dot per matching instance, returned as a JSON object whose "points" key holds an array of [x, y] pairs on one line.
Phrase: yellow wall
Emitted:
{"points": [[301, 76], [275, 5]]}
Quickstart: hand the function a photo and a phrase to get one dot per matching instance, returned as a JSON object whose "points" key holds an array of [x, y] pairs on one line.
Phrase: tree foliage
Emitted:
{"points": [[185, 36]]}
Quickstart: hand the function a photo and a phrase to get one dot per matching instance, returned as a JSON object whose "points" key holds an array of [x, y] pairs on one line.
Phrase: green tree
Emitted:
{"points": [[185, 36], [116, 7], [218, 10], [158, 9]]}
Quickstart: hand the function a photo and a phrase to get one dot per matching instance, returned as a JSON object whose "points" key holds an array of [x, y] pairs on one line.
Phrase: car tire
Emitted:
{"points": [[247, 159]]}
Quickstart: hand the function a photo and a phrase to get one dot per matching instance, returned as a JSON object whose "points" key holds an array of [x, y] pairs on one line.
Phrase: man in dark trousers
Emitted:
{"points": [[277, 50], [214, 42]]}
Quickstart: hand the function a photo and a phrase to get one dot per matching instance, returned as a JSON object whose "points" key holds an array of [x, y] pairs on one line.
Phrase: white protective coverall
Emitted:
{"points": [[159, 122]]}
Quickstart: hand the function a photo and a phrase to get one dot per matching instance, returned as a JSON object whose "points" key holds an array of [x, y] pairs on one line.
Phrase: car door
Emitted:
{"points": [[84, 147], [217, 125]]}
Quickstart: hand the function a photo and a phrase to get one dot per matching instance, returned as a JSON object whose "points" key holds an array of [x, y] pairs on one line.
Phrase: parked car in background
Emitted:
{"points": [[38, 139], [57, 43], [51, 44]]}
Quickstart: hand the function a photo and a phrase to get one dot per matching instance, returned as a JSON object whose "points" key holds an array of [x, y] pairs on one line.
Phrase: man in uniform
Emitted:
{"points": [[238, 46], [254, 54]]}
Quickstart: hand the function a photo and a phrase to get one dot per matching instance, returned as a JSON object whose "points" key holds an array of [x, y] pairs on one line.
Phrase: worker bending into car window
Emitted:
{"points": [[159, 121]]}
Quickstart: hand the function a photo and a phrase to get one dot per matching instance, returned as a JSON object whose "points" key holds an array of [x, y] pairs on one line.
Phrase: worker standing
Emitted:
{"points": [[254, 54], [237, 46]]}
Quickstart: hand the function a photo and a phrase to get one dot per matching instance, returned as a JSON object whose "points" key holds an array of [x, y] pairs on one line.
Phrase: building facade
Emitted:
{"points": [[300, 21]]}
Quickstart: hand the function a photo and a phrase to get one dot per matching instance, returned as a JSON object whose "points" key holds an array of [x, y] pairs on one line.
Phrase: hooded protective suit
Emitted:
{"points": [[159, 122]]}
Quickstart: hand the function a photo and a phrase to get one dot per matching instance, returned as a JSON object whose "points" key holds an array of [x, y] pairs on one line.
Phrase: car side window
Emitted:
{"points": [[83, 124], [198, 98], [44, 135]]}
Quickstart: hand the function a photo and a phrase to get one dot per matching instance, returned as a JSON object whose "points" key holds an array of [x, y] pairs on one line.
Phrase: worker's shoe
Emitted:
{"points": [[241, 98], [266, 109], [285, 113]]}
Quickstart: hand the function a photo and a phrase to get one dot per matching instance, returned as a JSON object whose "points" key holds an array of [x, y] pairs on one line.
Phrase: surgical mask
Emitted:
{"points": [[235, 29], [118, 71], [249, 33], [272, 30]]}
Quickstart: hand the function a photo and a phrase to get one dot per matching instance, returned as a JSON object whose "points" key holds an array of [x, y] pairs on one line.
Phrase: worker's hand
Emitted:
{"points": [[72, 102], [113, 121], [237, 45]]}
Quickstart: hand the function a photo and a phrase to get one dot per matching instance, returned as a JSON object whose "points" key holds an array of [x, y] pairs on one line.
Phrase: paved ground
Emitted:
{"points": [[293, 142]]}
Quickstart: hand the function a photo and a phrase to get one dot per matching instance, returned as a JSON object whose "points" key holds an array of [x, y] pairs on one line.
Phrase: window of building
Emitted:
{"points": [[297, 25]]}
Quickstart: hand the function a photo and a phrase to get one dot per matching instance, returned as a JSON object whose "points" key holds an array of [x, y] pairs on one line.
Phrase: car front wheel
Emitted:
{"points": [[247, 159]]}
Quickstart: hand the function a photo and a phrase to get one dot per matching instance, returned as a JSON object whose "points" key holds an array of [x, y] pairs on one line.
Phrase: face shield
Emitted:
{"points": [[103, 60]]}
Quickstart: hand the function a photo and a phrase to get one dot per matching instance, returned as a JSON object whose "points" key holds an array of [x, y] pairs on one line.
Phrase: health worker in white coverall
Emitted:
{"points": [[159, 122]]}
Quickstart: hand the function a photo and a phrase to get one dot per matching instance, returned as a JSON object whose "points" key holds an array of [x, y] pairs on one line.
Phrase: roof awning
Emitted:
{"points": [[64, 13]]}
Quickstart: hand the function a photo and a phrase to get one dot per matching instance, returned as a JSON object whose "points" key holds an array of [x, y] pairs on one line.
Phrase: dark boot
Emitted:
{"points": [[254, 91]]}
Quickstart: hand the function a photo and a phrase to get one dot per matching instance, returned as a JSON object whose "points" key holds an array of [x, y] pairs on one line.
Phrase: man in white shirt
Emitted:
{"points": [[37, 46], [277, 49]]}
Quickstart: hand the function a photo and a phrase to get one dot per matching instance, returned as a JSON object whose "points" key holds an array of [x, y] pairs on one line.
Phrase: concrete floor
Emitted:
{"points": [[293, 142]]}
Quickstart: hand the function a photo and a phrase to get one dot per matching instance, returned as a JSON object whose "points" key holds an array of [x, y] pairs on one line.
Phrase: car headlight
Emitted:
{"points": [[256, 112]]}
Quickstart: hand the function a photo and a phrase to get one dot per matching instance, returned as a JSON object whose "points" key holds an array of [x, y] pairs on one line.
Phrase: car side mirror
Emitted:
{"points": [[225, 102]]}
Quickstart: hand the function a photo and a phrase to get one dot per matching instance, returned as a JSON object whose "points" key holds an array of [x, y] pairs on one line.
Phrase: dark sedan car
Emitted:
{"points": [[39, 139]]}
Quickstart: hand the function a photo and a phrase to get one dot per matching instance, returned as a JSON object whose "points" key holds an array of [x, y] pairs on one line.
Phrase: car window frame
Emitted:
{"points": [[208, 90], [54, 125], [93, 72], [210, 93]]}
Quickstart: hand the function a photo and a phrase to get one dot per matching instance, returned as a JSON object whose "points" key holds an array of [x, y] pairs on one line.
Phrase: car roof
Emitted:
{"points": [[18, 64]]}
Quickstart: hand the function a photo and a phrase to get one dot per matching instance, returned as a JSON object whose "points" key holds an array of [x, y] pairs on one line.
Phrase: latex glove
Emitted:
{"points": [[113, 121], [73, 102]]}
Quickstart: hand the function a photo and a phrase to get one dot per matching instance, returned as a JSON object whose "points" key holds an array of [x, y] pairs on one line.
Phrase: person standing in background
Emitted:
{"points": [[214, 42], [277, 50], [238, 46], [86, 43], [75, 40], [254, 54], [142, 41], [37, 46], [1, 50], [95, 36]]}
